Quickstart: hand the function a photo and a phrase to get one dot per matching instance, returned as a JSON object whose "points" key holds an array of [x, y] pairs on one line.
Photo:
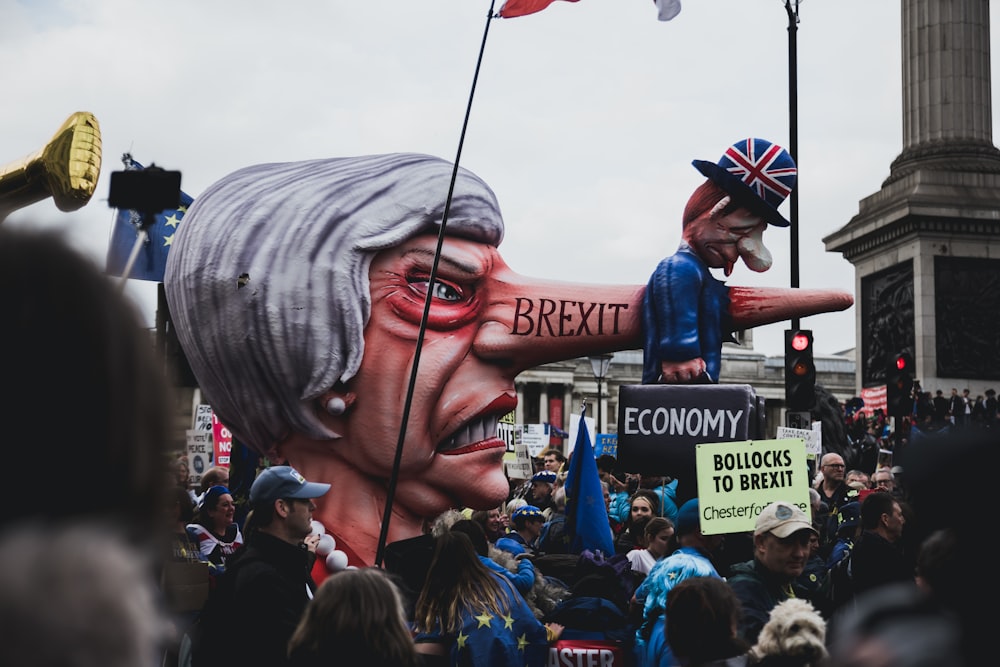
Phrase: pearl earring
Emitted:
{"points": [[336, 406]]}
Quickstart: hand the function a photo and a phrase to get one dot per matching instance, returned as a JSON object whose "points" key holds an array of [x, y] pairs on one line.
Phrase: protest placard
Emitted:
{"points": [[736, 480]]}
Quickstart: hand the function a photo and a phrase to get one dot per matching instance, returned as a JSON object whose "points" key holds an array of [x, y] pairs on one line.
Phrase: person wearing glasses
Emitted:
{"points": [[833, 488]]}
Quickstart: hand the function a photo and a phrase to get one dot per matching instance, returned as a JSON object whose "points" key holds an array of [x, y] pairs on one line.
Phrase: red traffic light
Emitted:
{"points": [[799, 342], [902, 362]]}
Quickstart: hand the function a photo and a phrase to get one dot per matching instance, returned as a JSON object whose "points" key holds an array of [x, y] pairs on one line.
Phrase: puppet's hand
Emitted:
{"points": [[682, 372]]}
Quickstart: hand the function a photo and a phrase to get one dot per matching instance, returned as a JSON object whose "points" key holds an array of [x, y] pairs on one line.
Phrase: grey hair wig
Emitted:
{"points": [[267, 277]]}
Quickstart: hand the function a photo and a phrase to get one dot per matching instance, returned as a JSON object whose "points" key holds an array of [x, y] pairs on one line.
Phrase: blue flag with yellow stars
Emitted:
{"points": [[511, 639], [151, 262], [586, 513]]}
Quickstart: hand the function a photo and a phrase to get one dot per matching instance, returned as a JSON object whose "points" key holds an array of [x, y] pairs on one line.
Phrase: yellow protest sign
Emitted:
{"points": [[736, 480]]}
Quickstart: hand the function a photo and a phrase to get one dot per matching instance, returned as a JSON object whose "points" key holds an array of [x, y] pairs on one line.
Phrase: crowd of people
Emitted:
{"points": [[501, 587], [872, 574], [872, 435], [957, 409]]}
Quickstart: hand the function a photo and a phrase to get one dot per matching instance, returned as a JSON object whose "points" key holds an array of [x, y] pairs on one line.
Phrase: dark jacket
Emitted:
{"points": [[592, 618], [253, 611], [876, 561], [840, 497], [759, 591], [554, 538]]}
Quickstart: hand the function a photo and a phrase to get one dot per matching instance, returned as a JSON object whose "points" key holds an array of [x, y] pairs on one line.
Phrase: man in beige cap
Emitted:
{"points": [[781, 548]]}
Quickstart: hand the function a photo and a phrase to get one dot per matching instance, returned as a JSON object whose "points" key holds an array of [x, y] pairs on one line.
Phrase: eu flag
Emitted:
{"points": [[151, 262], [586, 514]]}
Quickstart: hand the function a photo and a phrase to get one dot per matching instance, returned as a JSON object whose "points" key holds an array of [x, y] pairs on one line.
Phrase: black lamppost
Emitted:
{"points": [[792, 8], [600, 363]]}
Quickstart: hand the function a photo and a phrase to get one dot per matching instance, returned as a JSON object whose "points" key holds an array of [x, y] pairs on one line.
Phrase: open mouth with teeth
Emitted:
{"points": [[476, 435], [481, 432]]}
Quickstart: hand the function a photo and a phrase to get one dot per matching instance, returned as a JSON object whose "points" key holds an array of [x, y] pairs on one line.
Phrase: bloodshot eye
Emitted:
{"points": [[439, 290], [452, 305], [445, 292]]}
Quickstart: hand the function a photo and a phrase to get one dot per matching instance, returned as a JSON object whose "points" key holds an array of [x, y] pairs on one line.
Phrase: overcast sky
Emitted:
{"points": [[584, 122]]}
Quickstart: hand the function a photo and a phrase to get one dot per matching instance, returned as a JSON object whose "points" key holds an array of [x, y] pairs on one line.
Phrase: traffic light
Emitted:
{"points": [[899, 385], [800, 371]]}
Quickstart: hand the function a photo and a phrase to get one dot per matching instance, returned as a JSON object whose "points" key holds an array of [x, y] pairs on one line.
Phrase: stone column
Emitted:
{"points": [[946, 87], [925, 247]]}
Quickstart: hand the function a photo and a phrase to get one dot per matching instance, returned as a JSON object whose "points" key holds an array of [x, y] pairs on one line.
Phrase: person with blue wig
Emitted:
{"points": [[651, 647]]}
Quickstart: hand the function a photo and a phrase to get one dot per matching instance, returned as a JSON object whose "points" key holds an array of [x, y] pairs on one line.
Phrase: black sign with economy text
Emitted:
{"points": [[659, 426]]}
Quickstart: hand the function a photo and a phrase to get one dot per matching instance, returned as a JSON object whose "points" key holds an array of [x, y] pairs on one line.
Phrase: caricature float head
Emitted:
{"points": [[284, 278], [726, 216]]}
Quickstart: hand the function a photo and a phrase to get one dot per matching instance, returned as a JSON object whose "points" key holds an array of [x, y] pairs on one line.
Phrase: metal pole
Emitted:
{"points": [[600, 404], [793, 138], [397, 460]]}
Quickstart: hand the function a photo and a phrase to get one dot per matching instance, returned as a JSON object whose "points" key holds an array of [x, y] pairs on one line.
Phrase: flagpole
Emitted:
{"points": [[391, 490], [136, 247], [140, 239]]}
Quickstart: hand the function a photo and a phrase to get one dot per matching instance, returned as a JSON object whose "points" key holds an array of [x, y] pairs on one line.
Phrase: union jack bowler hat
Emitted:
{"points": [[755, 173]]}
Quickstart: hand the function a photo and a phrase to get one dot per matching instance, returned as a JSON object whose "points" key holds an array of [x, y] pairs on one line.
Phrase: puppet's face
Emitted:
{"points": [[720, 240], [485, 325], [451, 455]]}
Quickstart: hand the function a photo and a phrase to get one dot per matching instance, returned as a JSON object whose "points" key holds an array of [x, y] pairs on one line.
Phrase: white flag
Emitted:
{"points": [[668, 9]]}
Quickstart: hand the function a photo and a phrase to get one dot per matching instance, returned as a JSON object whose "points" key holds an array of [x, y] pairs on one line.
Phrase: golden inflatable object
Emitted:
{"points": [[66, 169]]}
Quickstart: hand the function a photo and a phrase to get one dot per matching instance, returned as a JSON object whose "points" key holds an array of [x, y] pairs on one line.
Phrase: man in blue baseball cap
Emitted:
{"points": [[685, 309], [279, 482], [254, 609]]}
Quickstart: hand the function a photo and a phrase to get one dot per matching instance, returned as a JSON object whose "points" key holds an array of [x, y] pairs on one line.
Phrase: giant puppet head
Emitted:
{"points": [[297, 292]]}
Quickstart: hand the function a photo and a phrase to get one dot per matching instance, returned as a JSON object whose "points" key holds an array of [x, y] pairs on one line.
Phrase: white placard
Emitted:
{"points": [[813, 438], [203, 418], [199, 451], [536, 437]]}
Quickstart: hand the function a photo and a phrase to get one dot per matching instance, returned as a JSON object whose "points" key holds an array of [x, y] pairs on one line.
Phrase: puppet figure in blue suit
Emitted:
{"points": [[686, 311]]}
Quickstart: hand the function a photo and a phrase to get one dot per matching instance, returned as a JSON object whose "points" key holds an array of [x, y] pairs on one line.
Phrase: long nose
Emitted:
{"points": [[530, 321], [753, 251]]}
